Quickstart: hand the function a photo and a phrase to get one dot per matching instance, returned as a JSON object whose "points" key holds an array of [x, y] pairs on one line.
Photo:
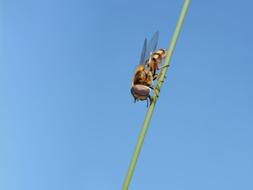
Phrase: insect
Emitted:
{"points": [[146, 70]]}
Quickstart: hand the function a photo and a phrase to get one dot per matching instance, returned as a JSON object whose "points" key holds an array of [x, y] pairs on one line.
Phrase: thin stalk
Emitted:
{"points": [[158, 87]]}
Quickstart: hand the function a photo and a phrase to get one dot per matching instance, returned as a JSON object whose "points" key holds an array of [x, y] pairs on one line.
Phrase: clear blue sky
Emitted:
{"points": [[68, 121]]}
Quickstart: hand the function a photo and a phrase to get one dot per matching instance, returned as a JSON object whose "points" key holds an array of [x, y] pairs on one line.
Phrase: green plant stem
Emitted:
{"points": [[158, 87]]}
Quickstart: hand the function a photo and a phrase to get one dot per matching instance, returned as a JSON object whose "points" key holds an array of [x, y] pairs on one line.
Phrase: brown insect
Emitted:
{"points": [[146, 70]]}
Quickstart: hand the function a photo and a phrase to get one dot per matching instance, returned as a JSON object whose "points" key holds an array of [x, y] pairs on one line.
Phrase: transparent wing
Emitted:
{"points": [[143, 52], [152, 45]]}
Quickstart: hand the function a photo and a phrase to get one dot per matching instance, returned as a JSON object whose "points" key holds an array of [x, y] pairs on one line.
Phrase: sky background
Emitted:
{"points": [[67, 118]]}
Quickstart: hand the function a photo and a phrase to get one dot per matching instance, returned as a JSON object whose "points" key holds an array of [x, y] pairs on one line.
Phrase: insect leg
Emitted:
{"points": [[156, 92], [150, 100], [163, 67], [159, 75], [155, 76]]}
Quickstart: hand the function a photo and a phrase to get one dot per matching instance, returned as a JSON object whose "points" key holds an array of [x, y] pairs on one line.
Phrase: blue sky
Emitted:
{"points": [[68, 121]]}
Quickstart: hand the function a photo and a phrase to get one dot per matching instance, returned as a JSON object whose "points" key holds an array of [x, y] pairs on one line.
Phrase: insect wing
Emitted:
{"points": [[152, 45], [143, 52]]}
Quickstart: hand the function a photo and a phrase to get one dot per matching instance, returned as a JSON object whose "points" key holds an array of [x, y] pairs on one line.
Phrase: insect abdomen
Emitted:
{"points": [[159, 55]]}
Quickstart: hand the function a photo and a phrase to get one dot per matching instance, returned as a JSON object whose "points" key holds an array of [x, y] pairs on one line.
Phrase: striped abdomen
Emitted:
{"points": [[156, 59]]}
